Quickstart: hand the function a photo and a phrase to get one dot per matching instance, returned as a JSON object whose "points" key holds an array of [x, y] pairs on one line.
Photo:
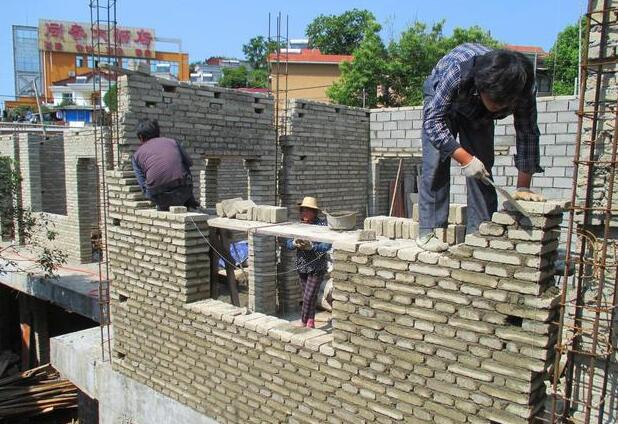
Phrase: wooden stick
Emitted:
{"points": [[390, 213]]}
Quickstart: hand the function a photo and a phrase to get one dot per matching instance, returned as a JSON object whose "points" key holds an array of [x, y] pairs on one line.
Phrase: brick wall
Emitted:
{"points": [[459, 337], [215, 124], [325, 155], [396, 132]]}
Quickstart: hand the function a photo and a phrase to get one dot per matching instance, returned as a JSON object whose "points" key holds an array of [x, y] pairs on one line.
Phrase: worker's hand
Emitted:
{"points": [[302, 244], [526, 194], [474, 169]]}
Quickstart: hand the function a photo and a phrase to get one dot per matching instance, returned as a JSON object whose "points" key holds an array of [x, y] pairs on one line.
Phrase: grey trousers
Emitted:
{"points": [[477, 137]]}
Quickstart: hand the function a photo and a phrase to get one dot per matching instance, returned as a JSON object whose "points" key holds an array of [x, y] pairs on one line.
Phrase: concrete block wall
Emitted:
{"points": [[396, 132], [210, 123], [325, 153], [59, 175], [463, 336], [75, 228]]}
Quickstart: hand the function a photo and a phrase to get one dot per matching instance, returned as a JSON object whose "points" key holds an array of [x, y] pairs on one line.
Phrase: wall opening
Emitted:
{"points": [[53, 178], [90, 234]]}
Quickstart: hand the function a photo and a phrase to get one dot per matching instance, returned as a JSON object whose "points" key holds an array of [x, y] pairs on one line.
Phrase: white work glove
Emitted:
{"points": [[526, 194], [474, 169]]}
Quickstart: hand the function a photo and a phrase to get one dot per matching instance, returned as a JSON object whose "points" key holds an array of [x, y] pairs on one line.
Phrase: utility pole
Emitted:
{"points": [[38, 104]]}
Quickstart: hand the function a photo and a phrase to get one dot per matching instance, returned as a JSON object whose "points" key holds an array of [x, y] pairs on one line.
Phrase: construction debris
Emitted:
{"points": [[34, 392]]}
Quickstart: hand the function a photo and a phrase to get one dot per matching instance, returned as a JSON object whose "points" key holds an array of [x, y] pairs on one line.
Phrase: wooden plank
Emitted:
{"points": [[285, 230]]}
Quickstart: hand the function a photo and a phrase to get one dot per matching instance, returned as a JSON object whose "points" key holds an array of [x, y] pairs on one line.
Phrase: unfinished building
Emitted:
{"points": [[473, 335]]}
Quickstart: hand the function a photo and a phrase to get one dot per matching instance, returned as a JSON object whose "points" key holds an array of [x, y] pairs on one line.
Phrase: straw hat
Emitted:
{"points": [[309, 202]]}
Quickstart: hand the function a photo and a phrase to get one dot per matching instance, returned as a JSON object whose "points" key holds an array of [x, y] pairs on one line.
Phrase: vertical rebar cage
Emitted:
{"points": [[104, 54], [585, 374]]}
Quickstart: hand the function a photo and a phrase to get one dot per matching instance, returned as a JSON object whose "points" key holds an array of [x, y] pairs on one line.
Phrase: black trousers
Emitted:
{"points": [[179, 196]]}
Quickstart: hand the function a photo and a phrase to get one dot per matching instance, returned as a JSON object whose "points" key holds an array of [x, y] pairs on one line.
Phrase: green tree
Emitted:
{"points": [[234, 77], [258, 78], [111, 98], [361, 77], [400, 70], [33, 229], [341, 34], [419, 48], [257, 50], [563, 60]]}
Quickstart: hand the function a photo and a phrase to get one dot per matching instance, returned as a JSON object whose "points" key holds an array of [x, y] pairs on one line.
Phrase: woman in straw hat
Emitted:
{"points": [[311, 261]]}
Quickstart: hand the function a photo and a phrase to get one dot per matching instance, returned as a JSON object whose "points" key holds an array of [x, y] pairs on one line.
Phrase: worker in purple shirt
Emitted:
{"points": [[467, 90], [162, 168]]}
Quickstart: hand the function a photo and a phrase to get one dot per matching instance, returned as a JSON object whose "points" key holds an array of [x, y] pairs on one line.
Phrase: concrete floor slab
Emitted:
{"points": [[75, 290]]}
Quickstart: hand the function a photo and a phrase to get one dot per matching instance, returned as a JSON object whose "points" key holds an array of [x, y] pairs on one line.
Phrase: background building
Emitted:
{"points": [[58, 56], [210, 72], [309, 73]]}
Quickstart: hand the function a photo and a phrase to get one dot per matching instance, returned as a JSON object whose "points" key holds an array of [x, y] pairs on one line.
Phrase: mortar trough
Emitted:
{"points": [[344, 220]]}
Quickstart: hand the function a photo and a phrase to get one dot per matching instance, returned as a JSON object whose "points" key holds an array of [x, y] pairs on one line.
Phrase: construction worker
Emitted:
{"points": [[162, 168], [311, 261], [467, 90]]}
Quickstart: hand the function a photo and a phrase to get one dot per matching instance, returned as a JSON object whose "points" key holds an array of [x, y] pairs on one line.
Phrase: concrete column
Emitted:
{"points": [[289, 291], [40, 331], [209, 196], [262, 279], [34, 331]]}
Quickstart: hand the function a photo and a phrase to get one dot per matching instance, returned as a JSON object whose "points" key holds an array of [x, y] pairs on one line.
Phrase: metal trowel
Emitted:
{"points": [[506, 195]]}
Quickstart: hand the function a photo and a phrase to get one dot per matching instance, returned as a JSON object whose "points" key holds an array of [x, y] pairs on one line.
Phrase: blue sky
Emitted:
{"points": [[210, 28]]}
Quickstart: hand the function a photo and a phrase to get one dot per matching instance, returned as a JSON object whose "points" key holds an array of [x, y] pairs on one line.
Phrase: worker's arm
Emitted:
{"points": [[527, 136], [289, 244], [186, 160], [321, 247], [141, 178], [438, 100]]}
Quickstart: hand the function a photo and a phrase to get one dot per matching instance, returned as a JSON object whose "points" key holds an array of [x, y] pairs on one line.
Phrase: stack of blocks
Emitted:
{"points": [[406, 228], [247, 210]]}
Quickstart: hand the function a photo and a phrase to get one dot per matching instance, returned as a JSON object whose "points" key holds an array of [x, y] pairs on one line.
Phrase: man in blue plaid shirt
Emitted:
{"points": [[467, 90]]}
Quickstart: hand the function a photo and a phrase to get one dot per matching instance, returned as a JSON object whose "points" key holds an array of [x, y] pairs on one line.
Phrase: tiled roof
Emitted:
{"points": [[310, 56], [525, 49]]}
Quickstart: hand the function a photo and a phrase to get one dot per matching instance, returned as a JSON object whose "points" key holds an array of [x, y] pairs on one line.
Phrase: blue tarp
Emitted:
{"points": [[239, 252]]}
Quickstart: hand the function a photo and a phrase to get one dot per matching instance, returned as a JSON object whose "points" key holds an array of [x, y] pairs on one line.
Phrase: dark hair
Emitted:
{"points": [[503, 75], [147, 128]]}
